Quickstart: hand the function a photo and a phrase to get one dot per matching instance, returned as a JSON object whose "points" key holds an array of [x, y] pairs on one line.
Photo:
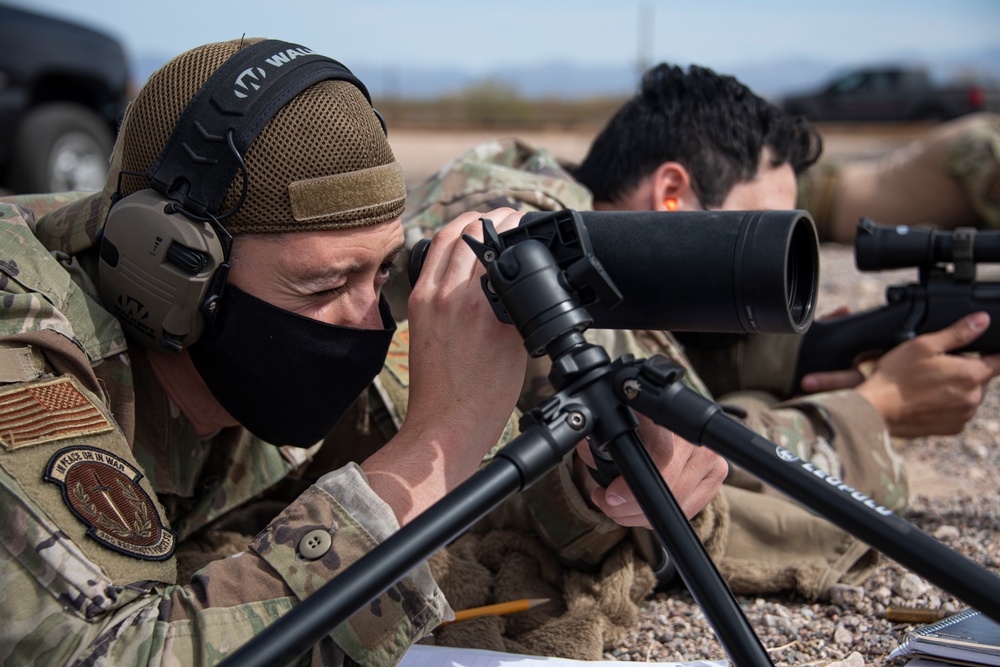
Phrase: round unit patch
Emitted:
{"points": [[102, 490]]}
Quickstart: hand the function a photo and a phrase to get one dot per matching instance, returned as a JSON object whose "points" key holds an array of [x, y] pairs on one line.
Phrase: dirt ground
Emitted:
{"points": [[423, 152]]}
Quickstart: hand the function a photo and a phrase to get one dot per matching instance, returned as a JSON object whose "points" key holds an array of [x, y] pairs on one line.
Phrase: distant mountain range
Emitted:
{"points": [[772, 79]]}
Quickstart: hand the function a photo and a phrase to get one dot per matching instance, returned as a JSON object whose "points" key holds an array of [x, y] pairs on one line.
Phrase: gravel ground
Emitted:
{"points": [[955, 498]]}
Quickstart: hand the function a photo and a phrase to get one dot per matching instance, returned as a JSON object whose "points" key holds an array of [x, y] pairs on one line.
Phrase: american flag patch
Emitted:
{"points": [[46, 411]]}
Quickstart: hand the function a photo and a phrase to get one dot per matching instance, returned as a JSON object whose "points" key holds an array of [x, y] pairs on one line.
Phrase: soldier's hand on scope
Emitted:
{"points": [[465, 364], [920, 389], [694, 475], [466, 369]]}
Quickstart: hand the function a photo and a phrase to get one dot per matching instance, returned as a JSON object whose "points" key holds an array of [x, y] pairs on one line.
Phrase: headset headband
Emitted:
{"points": [[196, 166]]}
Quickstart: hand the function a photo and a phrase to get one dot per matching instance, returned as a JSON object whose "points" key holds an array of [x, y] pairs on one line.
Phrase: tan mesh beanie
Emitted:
{"points": [[321, 162]]}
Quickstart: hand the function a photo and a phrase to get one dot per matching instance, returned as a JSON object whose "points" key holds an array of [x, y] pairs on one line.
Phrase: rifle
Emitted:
{"points": [[946, 291]]}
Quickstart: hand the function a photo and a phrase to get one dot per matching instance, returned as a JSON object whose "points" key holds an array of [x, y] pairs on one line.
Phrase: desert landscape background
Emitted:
{"points": [[422, 151]]}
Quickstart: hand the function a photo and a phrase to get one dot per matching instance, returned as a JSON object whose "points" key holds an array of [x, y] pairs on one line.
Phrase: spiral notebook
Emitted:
{"points": [[967, 638]]}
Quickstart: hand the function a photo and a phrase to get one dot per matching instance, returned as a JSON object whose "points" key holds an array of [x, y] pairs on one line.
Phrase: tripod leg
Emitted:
{"points": [[699, 420], [687, 552]]}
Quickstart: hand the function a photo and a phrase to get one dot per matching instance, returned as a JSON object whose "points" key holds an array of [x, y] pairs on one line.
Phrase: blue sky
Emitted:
{"points": [[480, 37]]}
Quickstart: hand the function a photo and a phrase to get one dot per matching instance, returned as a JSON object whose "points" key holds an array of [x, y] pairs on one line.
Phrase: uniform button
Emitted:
{"points": [[315, 544]]}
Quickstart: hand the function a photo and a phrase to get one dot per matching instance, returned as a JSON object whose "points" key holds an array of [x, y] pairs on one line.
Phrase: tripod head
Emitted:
{"points": [[542, 295]]}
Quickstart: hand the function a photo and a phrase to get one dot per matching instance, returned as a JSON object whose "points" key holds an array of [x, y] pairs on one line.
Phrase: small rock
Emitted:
{"points": [[853, 660], [910, 586], [851, 621], [882, 594], [978, 450], [947, 533], [782, 611], [842, 635], [775, 622], [846, 596]]}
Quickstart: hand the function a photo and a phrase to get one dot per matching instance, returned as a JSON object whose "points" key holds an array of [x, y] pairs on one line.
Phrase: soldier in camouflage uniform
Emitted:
{"points": [[771, 544], [144, 521], [117, 463], [949, 178]]}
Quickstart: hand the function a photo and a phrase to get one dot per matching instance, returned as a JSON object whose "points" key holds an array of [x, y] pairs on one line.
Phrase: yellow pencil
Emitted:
{"points": [[498, 609]]}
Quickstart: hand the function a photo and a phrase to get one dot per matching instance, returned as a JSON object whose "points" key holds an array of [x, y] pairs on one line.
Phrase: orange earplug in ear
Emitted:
{"points": [[670, 204]]}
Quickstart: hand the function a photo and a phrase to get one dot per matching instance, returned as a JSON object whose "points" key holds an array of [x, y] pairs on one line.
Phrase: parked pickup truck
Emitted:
{"points": [[63, 90], [891, 94]]}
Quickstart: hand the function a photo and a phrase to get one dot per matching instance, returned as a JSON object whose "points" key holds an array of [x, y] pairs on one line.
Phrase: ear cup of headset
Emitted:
{"points": [[157, 270]]}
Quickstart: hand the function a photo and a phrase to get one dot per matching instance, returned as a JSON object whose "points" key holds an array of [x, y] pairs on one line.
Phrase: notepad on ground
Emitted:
{"points": [[421, 655], [967, 638]]}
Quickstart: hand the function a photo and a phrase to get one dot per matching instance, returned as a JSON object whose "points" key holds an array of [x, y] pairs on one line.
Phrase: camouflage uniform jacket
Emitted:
{"points": [[838, 431], [105, 487]]}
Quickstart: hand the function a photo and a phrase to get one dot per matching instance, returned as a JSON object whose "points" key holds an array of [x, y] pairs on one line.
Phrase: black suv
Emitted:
{"points": [[63, 90]]}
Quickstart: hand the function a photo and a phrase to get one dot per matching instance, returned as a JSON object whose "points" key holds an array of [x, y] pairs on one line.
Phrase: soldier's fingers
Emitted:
{"points": [[443, 246], [463, 263], [831, 381], [992, 364], [504, 219], [958, 335], [618, 504], [700, 496]]}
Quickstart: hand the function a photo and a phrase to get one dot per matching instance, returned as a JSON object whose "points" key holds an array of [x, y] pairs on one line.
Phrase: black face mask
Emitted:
{"points": [[285, 377]]}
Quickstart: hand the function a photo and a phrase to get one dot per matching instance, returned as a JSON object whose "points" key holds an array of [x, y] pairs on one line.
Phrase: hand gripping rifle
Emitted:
{"points": [[946, 291]]}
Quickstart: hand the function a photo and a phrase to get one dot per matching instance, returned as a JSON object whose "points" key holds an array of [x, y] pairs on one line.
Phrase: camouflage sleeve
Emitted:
{"points": [[41, 204], [839, 432], [87, 562], [383, 631], [764, 542], [66, 609]]}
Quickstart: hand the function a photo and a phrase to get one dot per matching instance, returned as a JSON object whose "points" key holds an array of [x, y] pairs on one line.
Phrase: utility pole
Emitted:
{"points": [[644, 39]]}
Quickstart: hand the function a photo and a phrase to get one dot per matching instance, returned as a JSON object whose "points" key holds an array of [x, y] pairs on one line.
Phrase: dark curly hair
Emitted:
{"points": [[710, 123]]}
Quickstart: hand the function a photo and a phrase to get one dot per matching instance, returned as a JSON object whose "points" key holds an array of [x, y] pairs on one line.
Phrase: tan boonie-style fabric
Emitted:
{"points": [[955, 166], [587, 613], [817, 193], [77, 538], [974, 161], [840, 433]]}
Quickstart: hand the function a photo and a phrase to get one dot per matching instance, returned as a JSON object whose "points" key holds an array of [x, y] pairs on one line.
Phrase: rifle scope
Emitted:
{"points": [[880, 247], [721, 271]]}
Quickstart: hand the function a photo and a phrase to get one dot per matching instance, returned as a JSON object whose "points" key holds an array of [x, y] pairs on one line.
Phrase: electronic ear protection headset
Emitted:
{"points": [[164, 253]]}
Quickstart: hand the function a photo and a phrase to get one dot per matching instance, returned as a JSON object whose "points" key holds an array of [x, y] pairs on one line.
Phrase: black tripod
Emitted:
{"points": [[595, 399]]}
